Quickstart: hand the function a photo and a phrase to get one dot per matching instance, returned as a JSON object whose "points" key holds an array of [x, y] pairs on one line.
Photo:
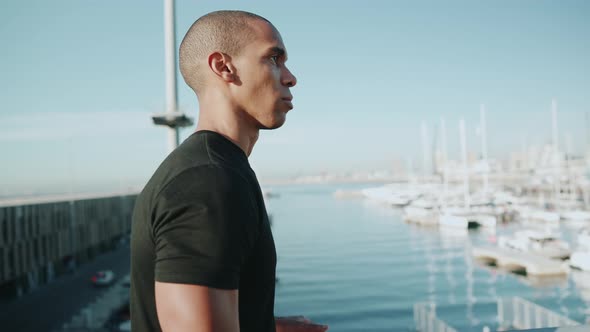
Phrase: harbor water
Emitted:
{"points": [[357, 266]]}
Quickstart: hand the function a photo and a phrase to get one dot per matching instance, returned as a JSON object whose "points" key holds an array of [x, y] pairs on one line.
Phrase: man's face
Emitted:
{"points": [[262, 88]]}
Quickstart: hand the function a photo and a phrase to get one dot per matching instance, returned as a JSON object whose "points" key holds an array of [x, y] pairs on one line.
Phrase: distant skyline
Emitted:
{"points": [[81, 79]]}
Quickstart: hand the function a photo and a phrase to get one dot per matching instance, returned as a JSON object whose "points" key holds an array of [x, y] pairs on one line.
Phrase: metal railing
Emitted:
{"points": [[516, 312], [426, 321]]}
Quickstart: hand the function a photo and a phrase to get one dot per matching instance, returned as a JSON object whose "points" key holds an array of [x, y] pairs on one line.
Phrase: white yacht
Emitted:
{"points": [[483, 220], [453, 220], [399, 201], [420, 215], [544, 216], [505, 198], [466, 218], [390, 196], [378, 194], [576, 218], [581, 281], [536, 242], [577, 215], [425, 203], [580, 260], [584, 239]]}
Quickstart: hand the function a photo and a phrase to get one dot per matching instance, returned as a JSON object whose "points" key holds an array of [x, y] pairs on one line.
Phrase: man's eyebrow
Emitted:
{"points": [[278, 50]]}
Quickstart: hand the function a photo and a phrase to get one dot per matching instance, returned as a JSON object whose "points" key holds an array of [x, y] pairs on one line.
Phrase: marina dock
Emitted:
{"points": [[520, 261]]}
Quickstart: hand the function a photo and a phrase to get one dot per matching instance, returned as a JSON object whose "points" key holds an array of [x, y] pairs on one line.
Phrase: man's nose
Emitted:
{"points": [[288, 78]]}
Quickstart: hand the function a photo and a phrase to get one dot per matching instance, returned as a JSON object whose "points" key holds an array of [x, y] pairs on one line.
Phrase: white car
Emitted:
{"points": [[125, 326], [127, 281], [103, 278]]}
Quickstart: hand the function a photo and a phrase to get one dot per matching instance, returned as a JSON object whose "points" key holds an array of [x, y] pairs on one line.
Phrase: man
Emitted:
{"points": [[202, 252]]}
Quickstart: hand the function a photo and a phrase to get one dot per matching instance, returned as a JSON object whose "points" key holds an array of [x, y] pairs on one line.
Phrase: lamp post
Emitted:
{"points": [[172, 118]]}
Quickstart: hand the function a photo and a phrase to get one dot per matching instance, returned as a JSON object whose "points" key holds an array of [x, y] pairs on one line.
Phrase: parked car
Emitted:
{"points": [[124, 326], [127, 281], [103, 278]]}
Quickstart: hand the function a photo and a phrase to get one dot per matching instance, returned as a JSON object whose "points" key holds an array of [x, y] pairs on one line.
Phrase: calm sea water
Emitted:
{"points": [[358, 267]]}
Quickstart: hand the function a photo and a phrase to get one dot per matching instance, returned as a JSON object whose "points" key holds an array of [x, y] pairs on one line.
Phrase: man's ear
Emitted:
{"points": [[220, 64]]}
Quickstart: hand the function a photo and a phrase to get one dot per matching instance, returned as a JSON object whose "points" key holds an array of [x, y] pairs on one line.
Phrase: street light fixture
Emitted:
{"points": [[172, 118]]}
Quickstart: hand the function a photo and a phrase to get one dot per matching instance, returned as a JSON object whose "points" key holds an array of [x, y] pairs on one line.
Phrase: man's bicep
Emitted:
{"points": [[184, 307]]}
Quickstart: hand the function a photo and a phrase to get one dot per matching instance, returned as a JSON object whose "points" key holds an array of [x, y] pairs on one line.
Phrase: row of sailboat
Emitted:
{"points": [[454, 206]]}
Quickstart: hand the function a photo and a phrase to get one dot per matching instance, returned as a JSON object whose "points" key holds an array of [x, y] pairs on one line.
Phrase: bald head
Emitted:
{"points": [[225, 31]]}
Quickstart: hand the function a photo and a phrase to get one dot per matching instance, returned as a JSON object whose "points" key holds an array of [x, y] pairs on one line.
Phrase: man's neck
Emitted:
{"points": [[231, 129], [243, 140]]}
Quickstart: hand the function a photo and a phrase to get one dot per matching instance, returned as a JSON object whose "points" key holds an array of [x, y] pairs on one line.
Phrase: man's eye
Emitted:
{"points": [[275, 59]]}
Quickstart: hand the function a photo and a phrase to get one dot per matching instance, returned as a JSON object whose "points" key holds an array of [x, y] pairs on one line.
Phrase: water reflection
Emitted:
{"points": [[511, 313], [365, 268]]}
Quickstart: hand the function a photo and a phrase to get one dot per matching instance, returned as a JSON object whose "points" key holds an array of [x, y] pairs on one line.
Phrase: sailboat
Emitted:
{"points": [[580, 259], [466, 217]]}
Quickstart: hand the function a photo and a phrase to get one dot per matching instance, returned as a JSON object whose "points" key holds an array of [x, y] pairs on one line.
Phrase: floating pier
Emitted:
{"points": [[521, 261]]}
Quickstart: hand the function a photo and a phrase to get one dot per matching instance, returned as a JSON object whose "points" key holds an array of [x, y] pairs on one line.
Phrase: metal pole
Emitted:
{"points": [[525, 154], [556, 161], [570, 176], [465, 170], [170, 62], [424, 150], [443, 134], [484, 147]]}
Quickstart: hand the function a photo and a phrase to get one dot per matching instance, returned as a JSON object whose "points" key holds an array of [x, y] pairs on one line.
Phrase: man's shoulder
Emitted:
{"points": [[204, 179], [195, 186], [202, 164], [207, 148]]}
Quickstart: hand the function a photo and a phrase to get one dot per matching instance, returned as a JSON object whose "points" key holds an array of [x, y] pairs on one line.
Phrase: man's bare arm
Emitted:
{"points": [[183, 307], [298, 324]]}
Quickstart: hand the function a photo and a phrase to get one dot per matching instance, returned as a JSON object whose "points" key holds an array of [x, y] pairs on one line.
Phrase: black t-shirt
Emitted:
{"points": [[201, 220]]}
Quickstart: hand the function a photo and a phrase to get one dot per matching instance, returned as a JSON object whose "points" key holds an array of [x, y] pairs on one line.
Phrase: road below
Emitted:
{"points": [[51, 305]]}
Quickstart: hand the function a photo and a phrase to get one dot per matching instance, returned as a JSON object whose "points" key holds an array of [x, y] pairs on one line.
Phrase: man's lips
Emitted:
{"points": [[288, 101]]}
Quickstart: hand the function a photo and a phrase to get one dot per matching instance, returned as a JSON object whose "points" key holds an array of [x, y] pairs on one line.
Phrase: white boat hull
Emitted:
{"points": [[420, 216], [522, 241], [449, 220], [580, 260]]}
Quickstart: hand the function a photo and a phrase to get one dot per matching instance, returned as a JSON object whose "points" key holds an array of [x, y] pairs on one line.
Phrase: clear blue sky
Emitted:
{"points": [[79, 80]]}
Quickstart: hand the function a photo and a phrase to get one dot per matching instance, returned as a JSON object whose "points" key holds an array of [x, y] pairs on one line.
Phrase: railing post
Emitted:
{"points": [[537, 317], [527, 315], [516, 309], [500, 311]]}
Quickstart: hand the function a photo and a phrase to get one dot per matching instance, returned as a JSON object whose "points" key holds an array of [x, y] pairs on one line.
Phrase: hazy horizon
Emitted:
{"points": [[80, 81]]}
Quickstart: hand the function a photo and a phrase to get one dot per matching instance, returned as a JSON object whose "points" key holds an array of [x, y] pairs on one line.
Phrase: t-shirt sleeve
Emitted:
{"points": [[205, 226]]}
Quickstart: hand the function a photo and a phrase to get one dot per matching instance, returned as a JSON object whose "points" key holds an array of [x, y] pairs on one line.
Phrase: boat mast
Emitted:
{"points": [[557, 177], [465, 170], [570, 176], [424, 150], [443, 139], [484, 147]]}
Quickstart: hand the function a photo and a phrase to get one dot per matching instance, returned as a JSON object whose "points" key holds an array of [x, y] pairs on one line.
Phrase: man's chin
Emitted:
{"points": [[277, 123]]}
